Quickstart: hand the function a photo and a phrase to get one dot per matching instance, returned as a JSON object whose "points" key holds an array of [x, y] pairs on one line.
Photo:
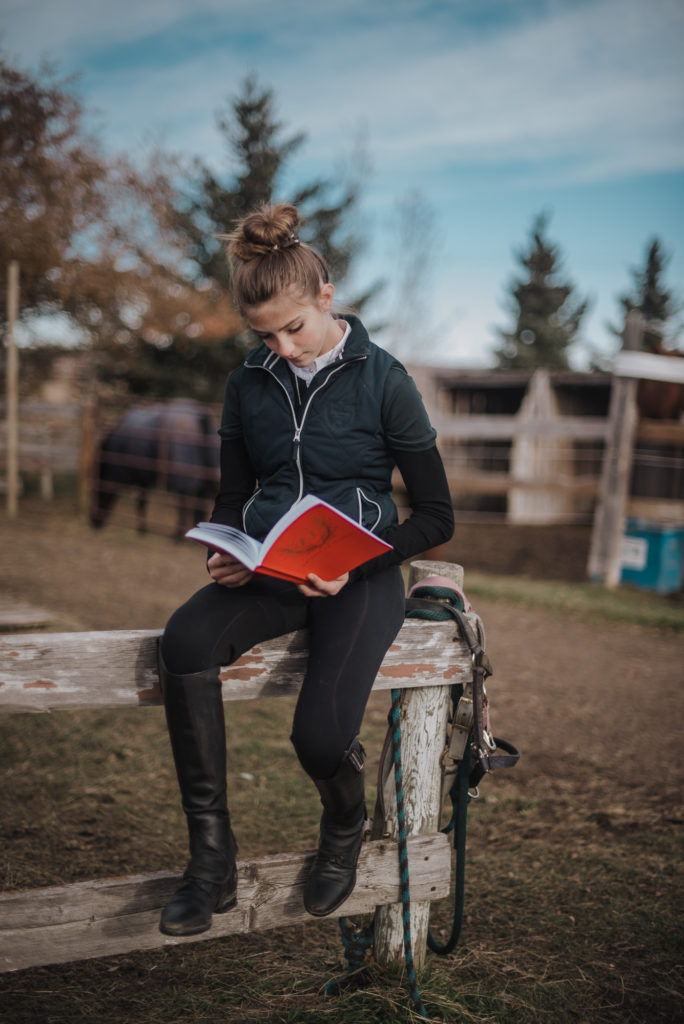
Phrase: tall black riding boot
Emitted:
{"points": [[194, 715], [333, 872]]}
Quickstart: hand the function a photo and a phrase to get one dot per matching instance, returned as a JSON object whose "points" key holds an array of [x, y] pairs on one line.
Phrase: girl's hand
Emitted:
{"points": [[228, 571], [316, 587]]}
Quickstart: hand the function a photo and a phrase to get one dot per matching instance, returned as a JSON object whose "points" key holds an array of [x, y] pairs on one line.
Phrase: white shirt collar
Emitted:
{"points": [[307, 373]]}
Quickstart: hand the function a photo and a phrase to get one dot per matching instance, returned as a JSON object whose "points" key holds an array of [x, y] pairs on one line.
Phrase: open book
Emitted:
{"points": [[312, 537]]}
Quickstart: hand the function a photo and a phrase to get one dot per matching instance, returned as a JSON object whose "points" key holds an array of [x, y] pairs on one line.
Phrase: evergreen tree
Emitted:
{"points": [[547, 315], [130, 260], [649, 295], [259, 151]]}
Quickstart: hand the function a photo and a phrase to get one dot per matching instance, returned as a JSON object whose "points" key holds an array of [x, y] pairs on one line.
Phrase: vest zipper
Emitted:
{"points": [[298, 425]]}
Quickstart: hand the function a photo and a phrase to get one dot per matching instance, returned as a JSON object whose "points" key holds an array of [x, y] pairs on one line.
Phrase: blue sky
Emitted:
{"points": [[492, 110]]}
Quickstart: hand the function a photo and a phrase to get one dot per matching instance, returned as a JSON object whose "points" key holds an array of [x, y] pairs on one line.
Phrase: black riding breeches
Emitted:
{"points": [[349, 635]]}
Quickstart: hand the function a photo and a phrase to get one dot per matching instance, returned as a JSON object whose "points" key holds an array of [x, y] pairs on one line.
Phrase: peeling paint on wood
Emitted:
{"points": [[153, 695], [243, 672], [407, 671], [54, 671]]}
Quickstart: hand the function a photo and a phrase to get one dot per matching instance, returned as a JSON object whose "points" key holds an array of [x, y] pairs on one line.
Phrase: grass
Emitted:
{"points": [[588, 600], [571, 915], [573, 904]]}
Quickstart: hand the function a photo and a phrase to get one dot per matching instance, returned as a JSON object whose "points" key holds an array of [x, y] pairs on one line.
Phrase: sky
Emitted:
{"points": [[487, 112]]}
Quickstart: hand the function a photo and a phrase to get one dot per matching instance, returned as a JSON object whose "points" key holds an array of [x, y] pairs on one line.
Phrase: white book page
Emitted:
{"points": [[234, 542]]}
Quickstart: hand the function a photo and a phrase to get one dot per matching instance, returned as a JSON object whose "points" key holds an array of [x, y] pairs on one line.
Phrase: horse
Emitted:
{"points": [[172, 446]]}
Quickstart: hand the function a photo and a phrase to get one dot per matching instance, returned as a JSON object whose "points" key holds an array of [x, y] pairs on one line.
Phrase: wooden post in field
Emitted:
{"points": [[12, 391], [86, 462], [424, 714], [631, 366], [609, 520]]}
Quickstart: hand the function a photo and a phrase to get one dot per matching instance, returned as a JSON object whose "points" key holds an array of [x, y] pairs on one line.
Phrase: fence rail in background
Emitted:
{"points": [[541, 465], [544, 463], [617, 500], [49, 441]]}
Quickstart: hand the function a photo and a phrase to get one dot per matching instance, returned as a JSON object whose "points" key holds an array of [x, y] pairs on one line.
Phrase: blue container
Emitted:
{"points": [[652, 556]]}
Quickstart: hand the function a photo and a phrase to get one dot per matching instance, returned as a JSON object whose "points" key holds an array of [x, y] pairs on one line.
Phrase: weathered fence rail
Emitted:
{"points": [[45, 672], [546, 461], [49, 440]]}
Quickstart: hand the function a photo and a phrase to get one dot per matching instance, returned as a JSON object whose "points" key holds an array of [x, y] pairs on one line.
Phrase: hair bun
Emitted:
{"points": [[268, 230], [266, 258]]}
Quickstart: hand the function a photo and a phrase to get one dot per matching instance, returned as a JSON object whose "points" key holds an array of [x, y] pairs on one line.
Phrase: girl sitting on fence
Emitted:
{"points": [[315, 408]]}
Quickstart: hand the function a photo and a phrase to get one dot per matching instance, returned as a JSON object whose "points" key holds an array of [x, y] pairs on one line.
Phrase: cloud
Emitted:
{"points": [[598, 84], [490, 107]]}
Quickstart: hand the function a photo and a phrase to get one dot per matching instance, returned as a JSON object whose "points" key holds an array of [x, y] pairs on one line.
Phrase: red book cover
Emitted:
{"points": [[313, 537]]}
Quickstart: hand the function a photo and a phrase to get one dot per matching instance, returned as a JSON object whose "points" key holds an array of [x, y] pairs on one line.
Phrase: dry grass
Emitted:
{"points": [[573, 888], [571, 914]]}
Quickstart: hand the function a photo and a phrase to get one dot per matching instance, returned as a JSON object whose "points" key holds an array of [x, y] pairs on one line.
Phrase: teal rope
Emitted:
{"points": [[435, 594], [459, 790], [356, 941], [395, 722]]}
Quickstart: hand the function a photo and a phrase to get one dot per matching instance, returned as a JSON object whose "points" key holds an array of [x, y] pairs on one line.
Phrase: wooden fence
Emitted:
{"points": [[541, 464], [625, 430], [50, 440], [43, 672], [544, 463], [536, 464]]}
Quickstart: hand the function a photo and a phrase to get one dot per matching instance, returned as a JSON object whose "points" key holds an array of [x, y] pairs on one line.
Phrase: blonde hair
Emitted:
{"points": [[267, 257]]}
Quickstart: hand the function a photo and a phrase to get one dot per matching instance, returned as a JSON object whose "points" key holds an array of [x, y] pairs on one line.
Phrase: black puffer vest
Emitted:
{"points": [[333, 446]]}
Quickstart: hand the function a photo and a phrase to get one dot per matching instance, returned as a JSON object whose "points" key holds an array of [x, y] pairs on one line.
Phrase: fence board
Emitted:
{"points": [[482, 482], [117, 668], [604, 554], [115, 916], [490, 427]]}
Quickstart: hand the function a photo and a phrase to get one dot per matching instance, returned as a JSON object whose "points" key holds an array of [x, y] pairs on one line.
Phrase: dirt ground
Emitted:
{"points": [[594, 706], [580, 697]]}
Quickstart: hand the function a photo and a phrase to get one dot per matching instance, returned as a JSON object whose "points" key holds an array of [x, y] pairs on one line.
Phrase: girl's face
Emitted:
{"points": [[298, 329]]}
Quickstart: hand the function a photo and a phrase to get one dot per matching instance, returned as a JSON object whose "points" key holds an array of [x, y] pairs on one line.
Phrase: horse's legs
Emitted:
{"points": [[102, 500], [190, 512], [141, 510]]}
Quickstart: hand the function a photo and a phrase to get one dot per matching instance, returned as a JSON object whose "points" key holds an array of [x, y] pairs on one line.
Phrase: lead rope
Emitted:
{"points": [[459, 790], [357, 940], [471, 749]]}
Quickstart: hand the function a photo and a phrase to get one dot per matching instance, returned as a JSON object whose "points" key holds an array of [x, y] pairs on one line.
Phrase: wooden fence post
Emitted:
{"points": [[12, 384], [604, 564], [424, 713], [86, 459]]}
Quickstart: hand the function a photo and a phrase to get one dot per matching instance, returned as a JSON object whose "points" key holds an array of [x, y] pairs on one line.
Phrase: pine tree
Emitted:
{"points": [[547, 315], [649, 296], [259, 151]]}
